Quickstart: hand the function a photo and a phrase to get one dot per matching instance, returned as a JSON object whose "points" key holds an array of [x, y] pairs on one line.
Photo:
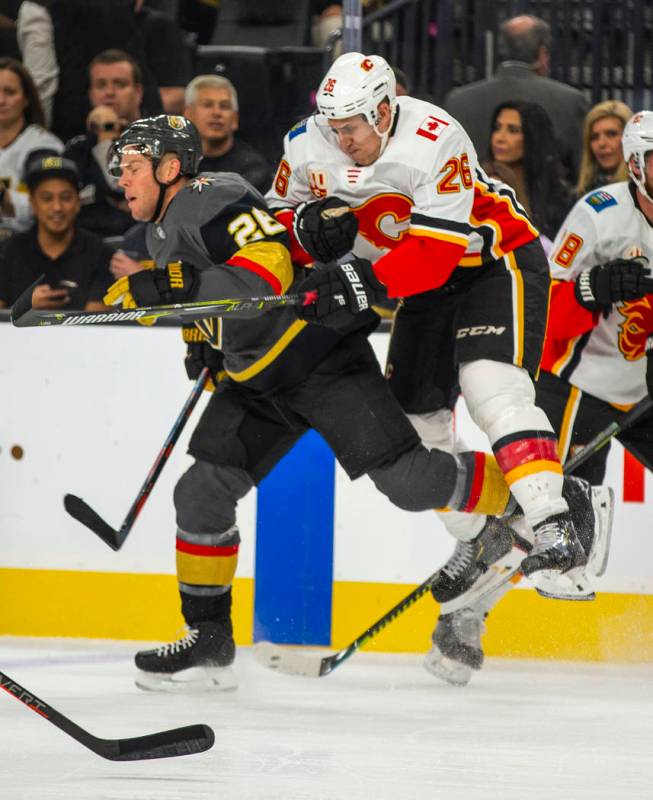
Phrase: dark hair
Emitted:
{"points": [[522, 43], [114, 56], [34, 110], [548, 195]]}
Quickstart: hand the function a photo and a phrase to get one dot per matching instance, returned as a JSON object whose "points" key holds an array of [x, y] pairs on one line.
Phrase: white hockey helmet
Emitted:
{"points": [[637, 141], [356, 84]]}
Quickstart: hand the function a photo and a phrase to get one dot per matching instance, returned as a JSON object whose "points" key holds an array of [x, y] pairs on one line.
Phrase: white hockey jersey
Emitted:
{"points": [[12, 168], [426, 184], [607, 361]]}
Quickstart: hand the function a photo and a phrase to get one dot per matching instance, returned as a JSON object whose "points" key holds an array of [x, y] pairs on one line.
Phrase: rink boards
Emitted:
{"points": [[90, 409]]}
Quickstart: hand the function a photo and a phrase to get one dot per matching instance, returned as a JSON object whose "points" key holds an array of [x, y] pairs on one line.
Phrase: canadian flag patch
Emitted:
{"points": [[431, 128]]}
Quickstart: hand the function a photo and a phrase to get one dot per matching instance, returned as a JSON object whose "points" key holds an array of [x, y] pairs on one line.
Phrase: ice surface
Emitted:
{"points": [[379, 728]]}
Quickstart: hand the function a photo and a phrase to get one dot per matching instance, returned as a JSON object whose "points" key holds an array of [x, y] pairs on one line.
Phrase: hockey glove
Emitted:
{"points": [[200, 355], [326, 229], [622, 279], [649, 365], [176, 283], [343, 290]]}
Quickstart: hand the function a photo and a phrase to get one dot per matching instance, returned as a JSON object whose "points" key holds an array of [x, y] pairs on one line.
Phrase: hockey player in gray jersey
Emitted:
{"points": [[211, 236]]}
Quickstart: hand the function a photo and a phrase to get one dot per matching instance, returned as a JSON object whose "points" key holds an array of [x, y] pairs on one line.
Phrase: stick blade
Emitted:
{"points": [[82, 512], [288, 661], [167, 744]]}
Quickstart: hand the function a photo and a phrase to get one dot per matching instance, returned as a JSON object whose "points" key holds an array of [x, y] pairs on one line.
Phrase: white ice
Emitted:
{"points": [[378, 728]]}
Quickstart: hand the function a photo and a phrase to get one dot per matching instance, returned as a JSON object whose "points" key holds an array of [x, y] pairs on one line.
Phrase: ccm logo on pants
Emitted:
{"points": [[480, 330]]}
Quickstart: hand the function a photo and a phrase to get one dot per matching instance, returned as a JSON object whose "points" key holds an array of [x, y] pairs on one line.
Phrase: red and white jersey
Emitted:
{"points": [[424, 206], [602, 355]]}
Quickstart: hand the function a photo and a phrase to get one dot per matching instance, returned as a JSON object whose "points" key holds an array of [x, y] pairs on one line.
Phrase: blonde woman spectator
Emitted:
{"points": [[602, 160], [22, 132]]}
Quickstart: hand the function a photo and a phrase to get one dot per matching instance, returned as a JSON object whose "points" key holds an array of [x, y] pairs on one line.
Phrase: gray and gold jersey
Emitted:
{"points": [[220, 224]]}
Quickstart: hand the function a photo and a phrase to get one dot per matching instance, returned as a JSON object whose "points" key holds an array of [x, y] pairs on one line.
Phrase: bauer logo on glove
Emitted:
{"points": [[343, 290]]}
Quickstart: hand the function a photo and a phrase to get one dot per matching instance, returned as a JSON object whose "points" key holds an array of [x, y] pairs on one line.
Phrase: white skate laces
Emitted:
{"points": [[172, 648], [460, 561]]}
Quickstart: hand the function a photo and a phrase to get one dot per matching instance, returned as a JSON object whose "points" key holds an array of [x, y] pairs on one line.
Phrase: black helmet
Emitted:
{"points": [[154, 137]]}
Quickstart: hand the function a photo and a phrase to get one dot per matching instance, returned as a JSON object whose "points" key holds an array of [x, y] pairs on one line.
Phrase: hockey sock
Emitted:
{"points": [[206, 565]]}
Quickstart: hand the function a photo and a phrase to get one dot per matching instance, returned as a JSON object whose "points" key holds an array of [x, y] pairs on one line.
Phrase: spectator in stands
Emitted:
{"points": [[212, 104], [21, 132], [602, 160], [116, 92], [522, 138], [162, 37], [326, 20], [524, 45], [75, 263], [58, 56]]}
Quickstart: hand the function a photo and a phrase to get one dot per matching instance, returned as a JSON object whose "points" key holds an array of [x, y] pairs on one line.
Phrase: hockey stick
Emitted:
{"points": [[83, 513], [290, 662], [613, 429], [165, 744], [24, 316], [293, 663]]}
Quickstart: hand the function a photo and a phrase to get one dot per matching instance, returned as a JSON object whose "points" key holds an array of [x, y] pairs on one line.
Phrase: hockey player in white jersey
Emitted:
{"points": [[397, 183], [598, 359]]}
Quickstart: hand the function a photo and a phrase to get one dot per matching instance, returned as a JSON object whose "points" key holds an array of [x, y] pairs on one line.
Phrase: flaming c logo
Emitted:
{"points": [[637, 325]]}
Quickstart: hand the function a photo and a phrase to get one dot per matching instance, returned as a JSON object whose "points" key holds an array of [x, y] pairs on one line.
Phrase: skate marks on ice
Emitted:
{"points": [[380, 728]]}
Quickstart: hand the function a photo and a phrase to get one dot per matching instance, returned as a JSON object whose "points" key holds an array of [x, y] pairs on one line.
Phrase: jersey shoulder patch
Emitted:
{"points": [[297, 129], [600, 200]]}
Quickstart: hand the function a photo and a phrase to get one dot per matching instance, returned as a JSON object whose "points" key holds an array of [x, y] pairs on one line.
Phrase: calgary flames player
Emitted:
{"points": [[395, 183], [598, 359]]}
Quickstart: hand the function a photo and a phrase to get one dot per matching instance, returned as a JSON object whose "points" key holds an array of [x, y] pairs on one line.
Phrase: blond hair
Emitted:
{"points": [[588, 165]]}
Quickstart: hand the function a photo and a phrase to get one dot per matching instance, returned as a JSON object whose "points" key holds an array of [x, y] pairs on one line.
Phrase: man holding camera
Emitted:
{"points": [[75, 263], [116, 93]]}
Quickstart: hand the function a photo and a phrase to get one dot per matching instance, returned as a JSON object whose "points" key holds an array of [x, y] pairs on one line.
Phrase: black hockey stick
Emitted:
{"points": [[82, 512], [24, 316], [165, 744], [613, 429], [288, 661]]}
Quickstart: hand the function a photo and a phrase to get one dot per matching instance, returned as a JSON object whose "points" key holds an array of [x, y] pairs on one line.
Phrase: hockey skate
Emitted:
{"points": [[200, 661], [456, 649], [477, 563], [557, 562]]}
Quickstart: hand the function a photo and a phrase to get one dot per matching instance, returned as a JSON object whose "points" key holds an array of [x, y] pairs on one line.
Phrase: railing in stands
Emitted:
{"points": [[603, 47]]}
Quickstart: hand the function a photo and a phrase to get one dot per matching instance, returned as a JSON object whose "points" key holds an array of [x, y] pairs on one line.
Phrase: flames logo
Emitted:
{"points": [[636, 327]]}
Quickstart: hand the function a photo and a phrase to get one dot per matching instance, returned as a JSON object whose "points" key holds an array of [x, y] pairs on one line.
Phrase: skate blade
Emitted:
{"points": [[196, 679], [603, 505], [571, 585], [448, 670]]}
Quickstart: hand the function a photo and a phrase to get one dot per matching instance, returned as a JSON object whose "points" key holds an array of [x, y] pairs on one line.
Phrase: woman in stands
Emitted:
{"points": [[522, 138], [602, 161], [22, 131]]}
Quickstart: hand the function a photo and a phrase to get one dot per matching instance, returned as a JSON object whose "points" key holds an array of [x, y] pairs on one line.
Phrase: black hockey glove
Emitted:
{"points": [[177, 283], [326, 229], [343, 290], [649, 365], [200, 355], [622, 279]]}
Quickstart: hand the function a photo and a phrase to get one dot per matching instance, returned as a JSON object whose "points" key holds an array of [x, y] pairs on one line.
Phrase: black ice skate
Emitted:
{"points": [[456, 649], [556, 564], [471, 561], [201, 661]]}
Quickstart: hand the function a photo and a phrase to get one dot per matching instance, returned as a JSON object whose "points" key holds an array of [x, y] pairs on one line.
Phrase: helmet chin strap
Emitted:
{"points": [[385, 137], [163, 187], [641, 185]]}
